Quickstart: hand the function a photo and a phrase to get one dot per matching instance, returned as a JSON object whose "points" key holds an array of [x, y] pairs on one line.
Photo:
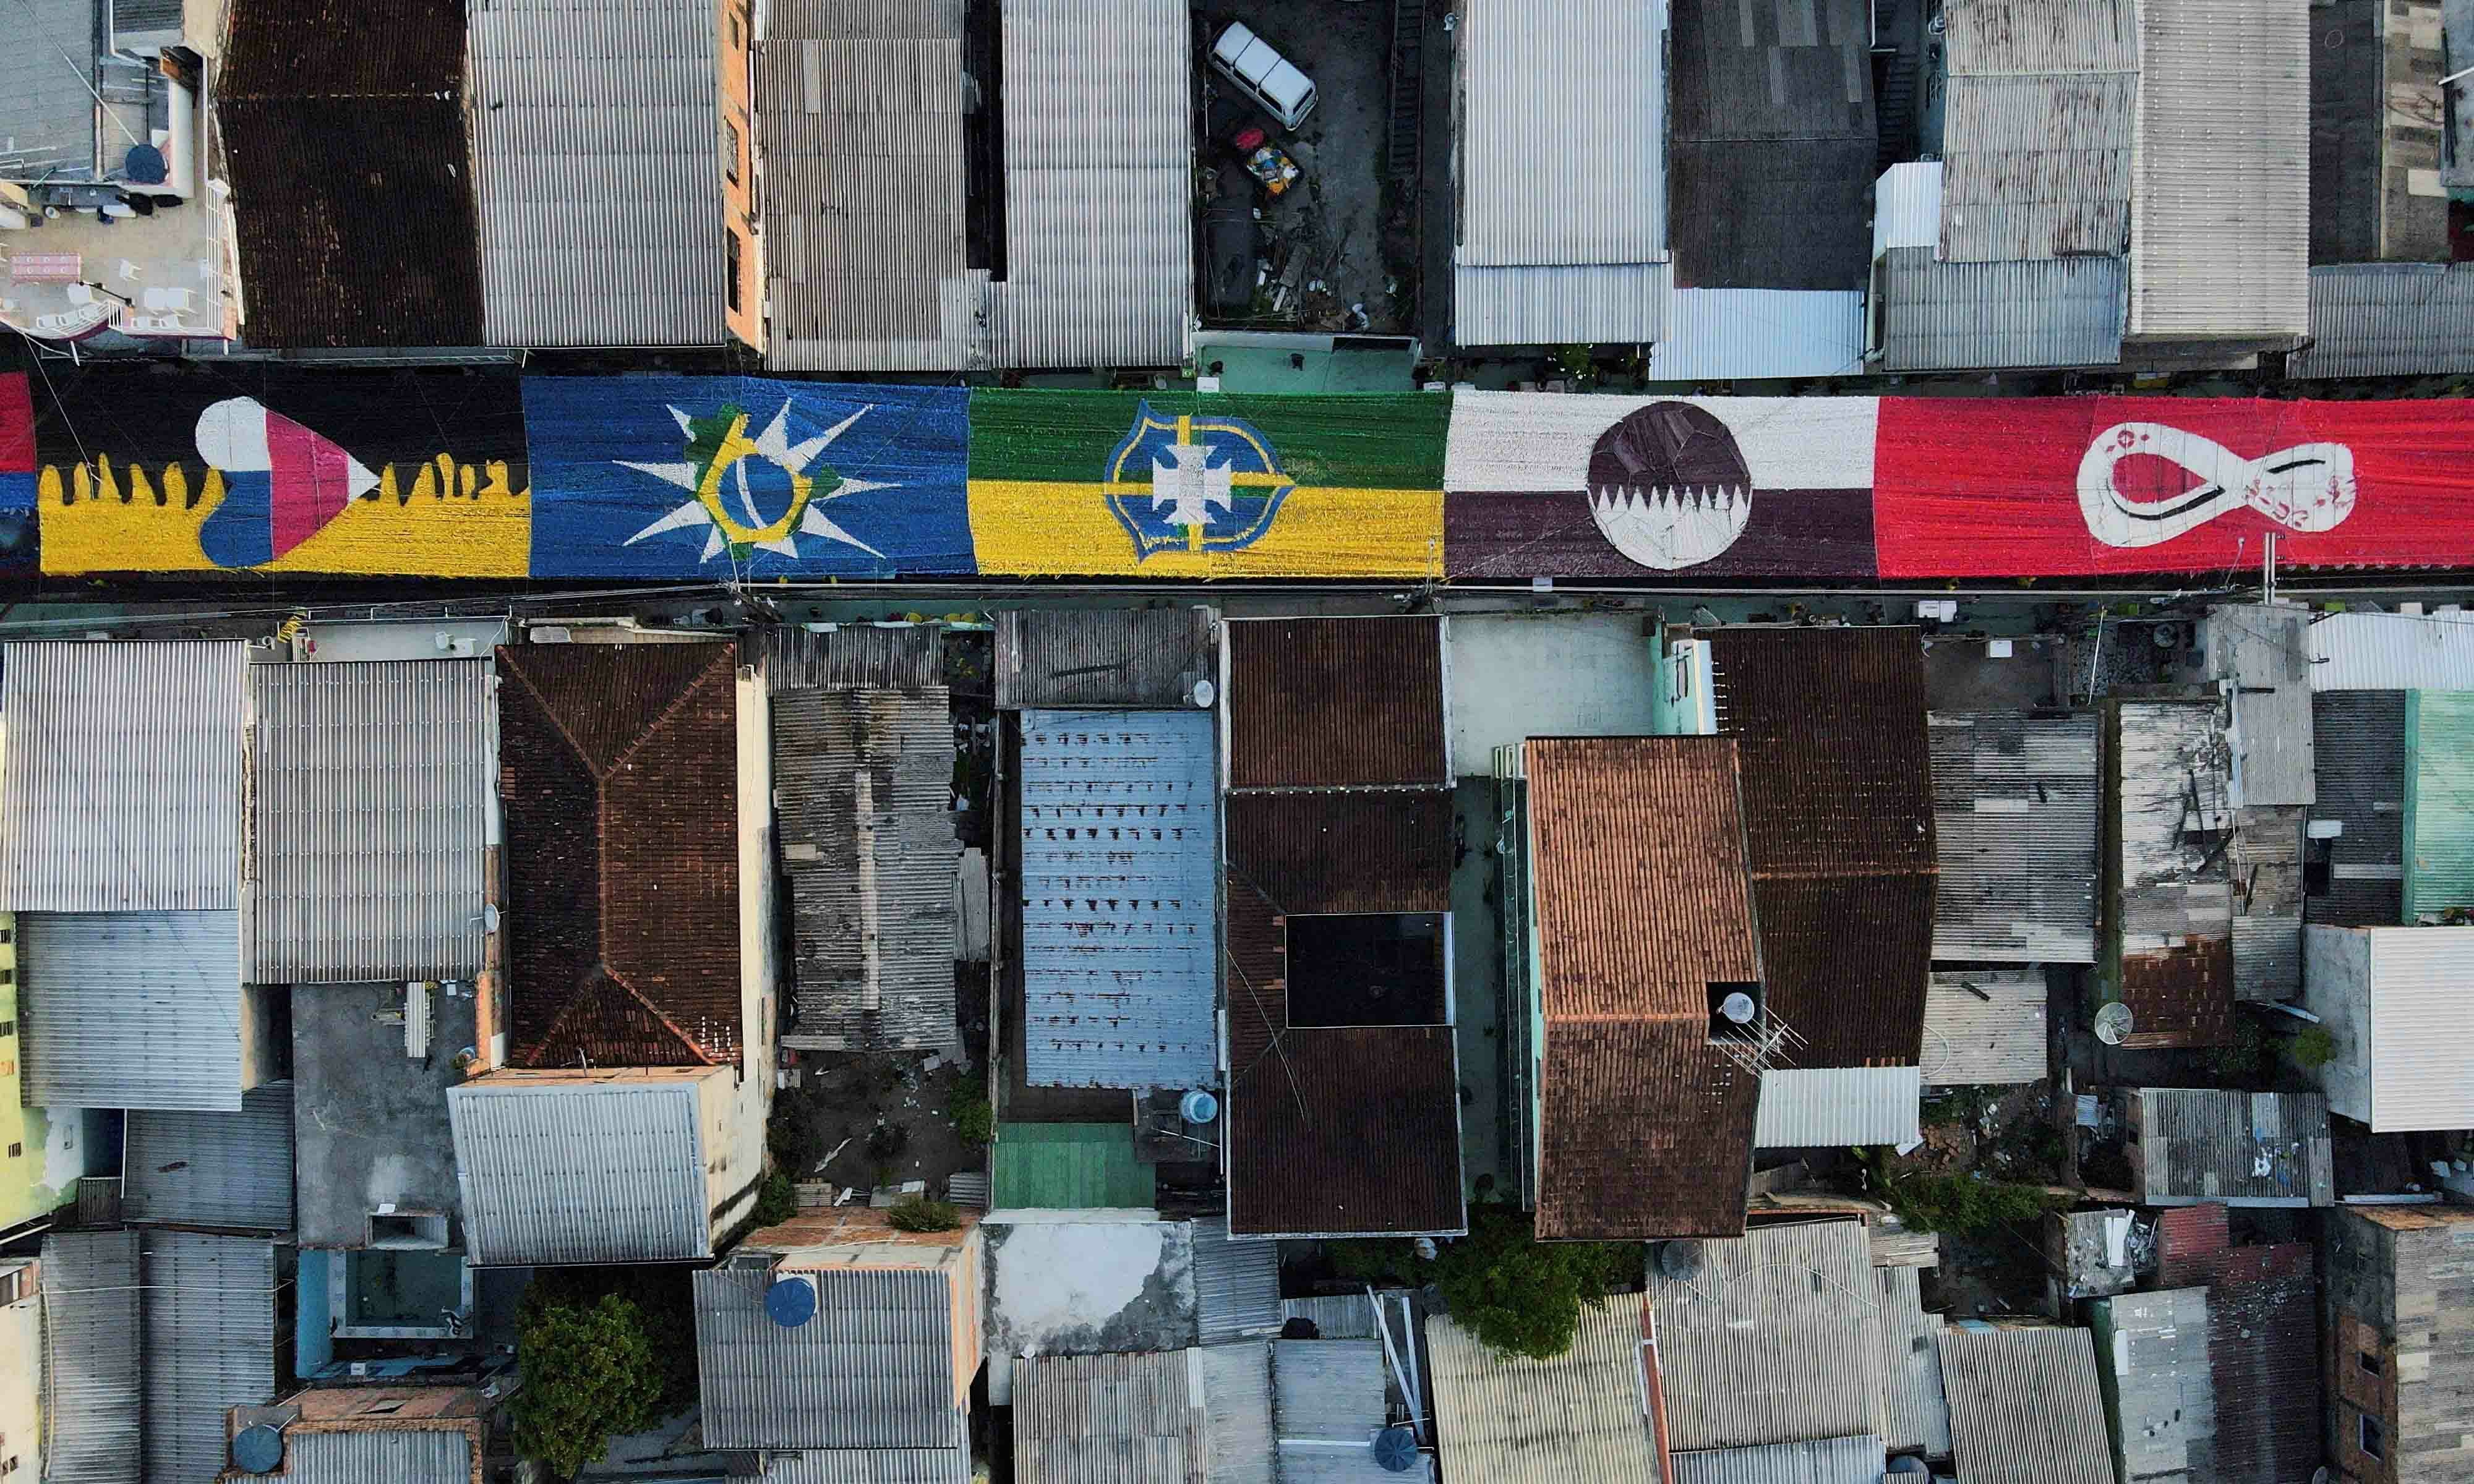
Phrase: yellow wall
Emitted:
{"points": [[736, 29]]}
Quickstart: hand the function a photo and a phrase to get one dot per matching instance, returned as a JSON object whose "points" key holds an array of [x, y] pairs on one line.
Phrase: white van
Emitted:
{"points": [[1248, 60]]}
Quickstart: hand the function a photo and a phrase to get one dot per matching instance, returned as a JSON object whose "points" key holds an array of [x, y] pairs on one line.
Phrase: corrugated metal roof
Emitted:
{"points": [[609, 1170], [874, 1369], [2266, 864], [2197, 1144], [366, 1455], [1110, 1419], [1237, 1420], [1954, 316], [2260, 656], [2025, 1408], [2015, 834], [2419, 1044], [1984, 1026], [1605, 303], [1802, 1107], [2152, 1355], [1576, 1419], [593, 161], [2358, 748], [1914, 1413], [1906, 206], [1110, 657], [2438, 803], [1336, 702], [2392, 652], [1328, 1392], [1344, 1316], [212, 1169], [208, 1338], [908, 657], [2037, 127], [860, 144], [1119, 872], [862, 782], [1098, 144], [2265, 1352], [2221, 167], [92, 979], [1562, 134], [1776, 1339], [47, 118], [89, 1371], [1745, 334], [1236, 1284], [873, 1466], [122, 781], [2388, 319], [371, 798], [1856, 1460], [2175, 905]]}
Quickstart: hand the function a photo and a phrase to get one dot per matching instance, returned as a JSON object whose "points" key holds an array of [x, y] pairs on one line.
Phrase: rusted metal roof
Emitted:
{"points": [[1348, 1131], [2180, 996], [2170, 913], [620, 785], [1106, 656], [2263, 1348], [1356, 851], [1336, 702], [2040, 108], [1637, 873], [2015, 826], [907, 657]]}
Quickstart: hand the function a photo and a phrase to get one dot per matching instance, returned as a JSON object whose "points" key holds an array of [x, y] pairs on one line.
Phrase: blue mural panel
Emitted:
{"points": [[746, 477]]}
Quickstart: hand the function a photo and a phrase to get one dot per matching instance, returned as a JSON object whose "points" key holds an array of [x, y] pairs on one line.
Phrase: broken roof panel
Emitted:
{"points": [[2015, 835], [1984, 1026], [618, 780], [1120, 887], [1576, 1419], [1336, 702], [2024, 1406], [864, 781], [1109, 656], [2268, 894], [2172, 877], [2207, 1144]]}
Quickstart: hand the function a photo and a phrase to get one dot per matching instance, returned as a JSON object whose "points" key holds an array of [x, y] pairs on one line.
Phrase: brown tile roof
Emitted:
{"points": [[1375, 851], [2191, 1243], [1257, 993], [1336, 702], [618, 778], [1637, 867], [2181, 997], [1346, 1131], [1838, 804]]}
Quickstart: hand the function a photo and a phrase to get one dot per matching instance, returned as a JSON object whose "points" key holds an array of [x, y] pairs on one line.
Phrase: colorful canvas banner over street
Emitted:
{"points": [[17, 551]]}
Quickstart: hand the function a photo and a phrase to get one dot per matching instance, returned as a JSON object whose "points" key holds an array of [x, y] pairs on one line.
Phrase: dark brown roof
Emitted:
{"points": [[2264, 1358], [1348, 1131], [1838, 804], [1380, 852], [2191, 1242], [1259, 971], [1637, 869], [1334, 702], [351, 172], [2183, 996], [618, 780]]}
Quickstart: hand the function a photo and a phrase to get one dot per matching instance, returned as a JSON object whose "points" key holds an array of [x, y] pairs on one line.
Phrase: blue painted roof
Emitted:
{"points": [[1120, 858]]}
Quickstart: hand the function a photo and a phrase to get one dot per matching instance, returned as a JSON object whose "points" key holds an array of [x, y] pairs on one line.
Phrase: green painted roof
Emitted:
{"points": [[1069, 1166], [2439, 801]]}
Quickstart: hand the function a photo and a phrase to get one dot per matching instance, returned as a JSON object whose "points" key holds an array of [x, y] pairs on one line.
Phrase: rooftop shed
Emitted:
{"points": [[2209, 1144], [2393, 999], [2015, 835]]}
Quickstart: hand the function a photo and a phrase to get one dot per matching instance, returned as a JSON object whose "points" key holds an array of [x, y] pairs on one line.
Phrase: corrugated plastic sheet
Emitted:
{"points": [[2220, 193], [598, 203], [1110, 1419], [2265, 652], [1237, 1420], [2015, 833], [2152, 1351], [1856, 1460], [1304, 1159], [1776, 1338], [2025, 1408], [2204, 1145], [2388, 319], [1953, 316], [212, 1169], [1236, 1284], [208, 1338], [89, 1370], [122, 787], [1119, 872], [1148, 657], [1577, 1418], [1337, 702], [2392, 652], [606, 1170], [1998, 1039], [1604, 304], [1752, 334], [2418, 1040], [1099, 137], [2438, 803], [618, 778], [371, 798], [93, 982], [2358, 748], [2038, 122], [1326, 1392], [872, 877], [824, 479], [1355, 851], [395, 1456], [908, 657], [1641, 900], [1841, 1106], [874, 1369], [2263, 1349], [860, 144], [1587, 76], [1069, 1166]]}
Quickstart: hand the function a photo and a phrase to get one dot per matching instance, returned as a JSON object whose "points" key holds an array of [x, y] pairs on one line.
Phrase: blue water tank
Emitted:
{"points": [[1395, 1449], [1198, 1107], [258, 1449], [790, 1302]]}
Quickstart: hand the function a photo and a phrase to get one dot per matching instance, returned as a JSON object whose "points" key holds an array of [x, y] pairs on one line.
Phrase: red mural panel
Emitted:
{"points": [[2052, 487]]}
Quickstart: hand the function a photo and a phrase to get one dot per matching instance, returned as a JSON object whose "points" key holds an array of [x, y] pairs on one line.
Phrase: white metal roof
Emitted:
{"points": [[1804, 1107], [1760, 334], [133, 1010], [2430, 651], [2394, 998], [1907, 207], [1576, 1419], [1564, 133], [610, 1170], [1614, 304]]}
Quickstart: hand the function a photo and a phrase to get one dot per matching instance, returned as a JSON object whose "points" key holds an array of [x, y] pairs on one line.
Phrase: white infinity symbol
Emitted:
{"points": [[2308, 486]]}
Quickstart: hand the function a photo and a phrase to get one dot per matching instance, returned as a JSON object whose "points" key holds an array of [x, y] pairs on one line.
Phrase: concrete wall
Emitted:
{"points": [[2337, 988], [21, 1381]]}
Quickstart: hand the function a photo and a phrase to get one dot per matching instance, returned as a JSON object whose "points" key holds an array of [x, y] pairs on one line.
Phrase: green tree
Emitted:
{"points": [[1516, 1294], [776, 1201], [2312, 1047], [589, 1374]]}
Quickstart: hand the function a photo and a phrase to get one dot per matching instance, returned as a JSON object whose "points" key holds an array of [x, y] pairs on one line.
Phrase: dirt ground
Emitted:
{"points": [[844, 1100], [2004, 1133]]}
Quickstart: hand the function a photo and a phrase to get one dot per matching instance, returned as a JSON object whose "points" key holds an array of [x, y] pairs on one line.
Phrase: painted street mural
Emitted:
{"points": [[1177, 484], [728, 478], [745, 477], [282, 471]]}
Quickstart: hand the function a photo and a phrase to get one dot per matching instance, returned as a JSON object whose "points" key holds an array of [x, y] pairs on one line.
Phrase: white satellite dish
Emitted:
{"points": [[1203, 694], [2112, 1024]]}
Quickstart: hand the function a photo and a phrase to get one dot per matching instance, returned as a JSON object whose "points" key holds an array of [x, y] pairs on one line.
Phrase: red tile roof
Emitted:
{"points": [[1346, 1131], [1386, 851], [2181, 997], [1336, 702], [2191, 1242], [618, 777]]}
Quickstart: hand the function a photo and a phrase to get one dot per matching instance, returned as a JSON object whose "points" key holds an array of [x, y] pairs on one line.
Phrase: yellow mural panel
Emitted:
{"points": [[1041, 528]]}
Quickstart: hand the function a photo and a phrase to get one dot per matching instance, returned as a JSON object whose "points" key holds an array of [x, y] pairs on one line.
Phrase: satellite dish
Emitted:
{"points": [[1198, 1107], [791, 1301], [1395, 1449], [258, 1449], [2112, 1024], [1907, 1466], [1738, 1007], [1679, 1262], [1204, 693]]}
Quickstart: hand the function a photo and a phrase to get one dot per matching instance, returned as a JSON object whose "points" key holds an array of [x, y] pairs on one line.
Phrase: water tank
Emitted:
{"points": [[1198, 1107], [1395, 1449], [258, 1449], [791, 1301]]}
